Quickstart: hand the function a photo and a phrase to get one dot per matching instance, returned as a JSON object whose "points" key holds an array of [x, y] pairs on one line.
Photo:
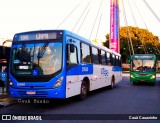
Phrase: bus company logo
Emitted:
{"points": [[104, 72]]}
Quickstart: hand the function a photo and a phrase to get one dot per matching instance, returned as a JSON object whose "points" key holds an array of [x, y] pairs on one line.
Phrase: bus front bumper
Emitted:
{"points": [[38, 93], [135, 80]]}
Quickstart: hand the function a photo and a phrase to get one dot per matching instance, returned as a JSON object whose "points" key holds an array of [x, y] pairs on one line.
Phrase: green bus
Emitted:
{"points": [[143, 68]]}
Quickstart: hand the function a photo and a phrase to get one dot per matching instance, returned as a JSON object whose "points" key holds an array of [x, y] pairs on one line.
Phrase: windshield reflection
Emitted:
{"points": [[143, 65], [36, 59]]}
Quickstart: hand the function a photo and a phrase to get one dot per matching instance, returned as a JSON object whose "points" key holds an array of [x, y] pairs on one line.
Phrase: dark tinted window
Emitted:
{"points": [[95, 57], [103, 57], [85, 53]]}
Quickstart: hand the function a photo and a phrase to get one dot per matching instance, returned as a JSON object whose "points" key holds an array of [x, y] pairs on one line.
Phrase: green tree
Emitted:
{"points": [[143, 41]]}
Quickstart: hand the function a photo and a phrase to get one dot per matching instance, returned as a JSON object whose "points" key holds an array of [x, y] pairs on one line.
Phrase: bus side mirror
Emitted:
{"points": [[71, 48]]}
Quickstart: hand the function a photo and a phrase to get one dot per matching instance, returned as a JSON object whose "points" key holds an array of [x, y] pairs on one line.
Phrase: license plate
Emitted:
{"points": [[30, 92]]}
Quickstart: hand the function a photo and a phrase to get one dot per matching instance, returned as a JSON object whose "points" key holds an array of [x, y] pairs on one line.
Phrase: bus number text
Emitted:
{"points": [[84, 69]]}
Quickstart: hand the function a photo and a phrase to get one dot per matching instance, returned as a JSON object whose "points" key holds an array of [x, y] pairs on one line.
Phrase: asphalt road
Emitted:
{"points": [[125, 100]]}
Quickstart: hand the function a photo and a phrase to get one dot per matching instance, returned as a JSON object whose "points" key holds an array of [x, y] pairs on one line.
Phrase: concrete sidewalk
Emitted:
{"points": [[5, 100]]}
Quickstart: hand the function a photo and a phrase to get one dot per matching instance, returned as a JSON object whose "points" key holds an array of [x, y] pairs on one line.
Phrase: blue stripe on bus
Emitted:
{"points": [[82, 69]]}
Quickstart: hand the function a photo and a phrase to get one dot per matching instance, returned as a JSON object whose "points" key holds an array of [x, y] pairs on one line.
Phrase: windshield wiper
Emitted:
{"points": [[25, 55], [42, 51]]}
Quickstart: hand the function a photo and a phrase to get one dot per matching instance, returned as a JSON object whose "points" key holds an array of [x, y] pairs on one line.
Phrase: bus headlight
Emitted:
{"points": [[58, 82], [153, 76], [10, 83], [132, 76]]}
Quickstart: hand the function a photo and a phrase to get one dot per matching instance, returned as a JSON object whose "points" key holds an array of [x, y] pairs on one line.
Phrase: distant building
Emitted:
{"points": [[5, 42], [5, 46], [2, 40]]}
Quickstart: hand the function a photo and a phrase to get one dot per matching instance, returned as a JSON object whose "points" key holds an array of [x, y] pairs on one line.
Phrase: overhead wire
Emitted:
{"points": [[136, 25], [98, 25], [149, 7], [69, 14], [129, 47], [143, 23], [81, 14], [83, 20], [95, 19], [155, 17], [132, 12], [126, 23]]}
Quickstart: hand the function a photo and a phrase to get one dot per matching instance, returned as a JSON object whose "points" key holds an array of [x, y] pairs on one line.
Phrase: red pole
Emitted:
{"points": [[114, 26]]}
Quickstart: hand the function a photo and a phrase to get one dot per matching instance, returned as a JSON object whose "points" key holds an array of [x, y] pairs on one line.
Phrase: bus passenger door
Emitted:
{"points": [[72, 69]]}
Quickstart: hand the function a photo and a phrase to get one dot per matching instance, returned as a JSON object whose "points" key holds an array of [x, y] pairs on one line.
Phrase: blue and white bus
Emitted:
{"points": [[60, 64]]}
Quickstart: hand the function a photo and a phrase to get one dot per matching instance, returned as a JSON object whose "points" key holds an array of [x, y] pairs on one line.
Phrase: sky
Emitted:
{"points": [[27, 15]]}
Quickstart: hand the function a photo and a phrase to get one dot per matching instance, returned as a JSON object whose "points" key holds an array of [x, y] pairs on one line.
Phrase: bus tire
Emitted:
{"points": [[153, 84], [84, 91], [112, 83], [135, 83]]}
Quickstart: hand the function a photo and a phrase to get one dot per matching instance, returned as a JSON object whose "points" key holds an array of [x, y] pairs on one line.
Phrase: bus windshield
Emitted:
{"points": [[36, 59], [143, 65]]}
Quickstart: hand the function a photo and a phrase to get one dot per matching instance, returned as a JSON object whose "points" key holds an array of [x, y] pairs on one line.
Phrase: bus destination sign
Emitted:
{"points": [[37, 36], [144, 56]]}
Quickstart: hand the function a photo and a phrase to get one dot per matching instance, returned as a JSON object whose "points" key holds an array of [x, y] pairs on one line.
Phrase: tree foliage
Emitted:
{"points": [[142, 40]]}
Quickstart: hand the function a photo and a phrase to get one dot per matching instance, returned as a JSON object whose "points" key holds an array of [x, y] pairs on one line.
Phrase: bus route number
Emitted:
{"points": [[24, 37]]}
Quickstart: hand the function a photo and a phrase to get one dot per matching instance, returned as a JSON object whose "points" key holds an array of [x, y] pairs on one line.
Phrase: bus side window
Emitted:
{"points": [[108, 58], [120, 62], [103, 57], [85, 53], [95, 55], [117, 60], [72, 57], [113, 60]]}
